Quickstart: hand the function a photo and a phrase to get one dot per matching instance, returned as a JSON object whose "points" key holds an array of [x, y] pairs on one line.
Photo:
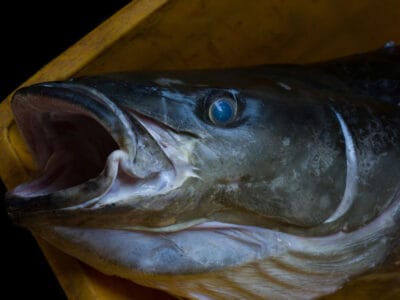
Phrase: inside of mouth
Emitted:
{"points": [[68, 144]]}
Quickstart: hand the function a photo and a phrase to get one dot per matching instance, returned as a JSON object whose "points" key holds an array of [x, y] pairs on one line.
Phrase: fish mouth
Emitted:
{"points": [[86, 150]]}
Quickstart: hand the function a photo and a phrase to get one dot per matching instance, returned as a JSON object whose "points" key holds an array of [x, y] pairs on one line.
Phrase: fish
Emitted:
{"points": [[265, 182]]}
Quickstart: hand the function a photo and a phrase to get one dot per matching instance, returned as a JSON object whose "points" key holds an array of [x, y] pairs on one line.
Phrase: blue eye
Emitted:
{"points": [[222, 111]]}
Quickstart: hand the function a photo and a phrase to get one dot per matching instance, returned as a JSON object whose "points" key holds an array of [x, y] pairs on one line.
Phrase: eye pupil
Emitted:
{"points": [[222, 111]]}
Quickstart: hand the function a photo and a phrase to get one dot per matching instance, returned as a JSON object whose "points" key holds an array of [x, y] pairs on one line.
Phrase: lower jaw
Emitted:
{"points": [[260, 275], [232, 261]]}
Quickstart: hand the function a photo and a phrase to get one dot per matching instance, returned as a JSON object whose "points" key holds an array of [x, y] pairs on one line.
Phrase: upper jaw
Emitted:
{"points": [[57, 120]]}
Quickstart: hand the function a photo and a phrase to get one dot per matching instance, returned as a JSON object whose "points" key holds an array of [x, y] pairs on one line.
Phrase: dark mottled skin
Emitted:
{"points": [[311, 157], [295, 165]]}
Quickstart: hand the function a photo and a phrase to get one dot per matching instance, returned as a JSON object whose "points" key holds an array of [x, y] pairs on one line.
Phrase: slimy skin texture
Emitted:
{"points": [[269, 182]]}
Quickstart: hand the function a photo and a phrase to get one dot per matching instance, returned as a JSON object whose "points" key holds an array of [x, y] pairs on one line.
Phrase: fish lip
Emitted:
{"points": [[81, 95], [20, 205], [36, 211], [79, 99]]}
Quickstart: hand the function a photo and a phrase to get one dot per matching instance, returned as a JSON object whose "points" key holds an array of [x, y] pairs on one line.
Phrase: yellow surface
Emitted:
{"points": [[172, 34]]}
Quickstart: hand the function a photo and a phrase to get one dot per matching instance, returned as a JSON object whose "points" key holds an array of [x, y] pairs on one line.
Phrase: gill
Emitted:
{"points": [[351, 173]]}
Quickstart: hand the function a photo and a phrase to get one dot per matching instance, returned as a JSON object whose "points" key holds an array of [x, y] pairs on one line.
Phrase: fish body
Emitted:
{"points": [[278, 182]]}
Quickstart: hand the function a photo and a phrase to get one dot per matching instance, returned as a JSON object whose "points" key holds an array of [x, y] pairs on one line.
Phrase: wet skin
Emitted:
{"points": [[194, 176]]}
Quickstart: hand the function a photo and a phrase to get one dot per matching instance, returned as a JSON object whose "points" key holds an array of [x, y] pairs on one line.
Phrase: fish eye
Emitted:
{"points": [[222, 111]]}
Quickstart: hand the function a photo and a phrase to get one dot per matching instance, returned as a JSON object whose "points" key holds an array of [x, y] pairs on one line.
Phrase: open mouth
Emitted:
{"points": [[69, 146], [80, 142], [89, 153]]}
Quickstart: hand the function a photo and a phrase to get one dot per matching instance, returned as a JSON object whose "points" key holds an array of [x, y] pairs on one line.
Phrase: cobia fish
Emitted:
{"points": [[269, 182]]}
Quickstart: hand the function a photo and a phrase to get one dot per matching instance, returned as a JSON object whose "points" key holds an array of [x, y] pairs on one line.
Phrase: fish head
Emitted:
{"points": [[133, 152], [144, 175]]}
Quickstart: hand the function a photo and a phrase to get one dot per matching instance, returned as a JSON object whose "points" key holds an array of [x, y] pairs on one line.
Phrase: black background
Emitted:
{"points": [[33, 33]]}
